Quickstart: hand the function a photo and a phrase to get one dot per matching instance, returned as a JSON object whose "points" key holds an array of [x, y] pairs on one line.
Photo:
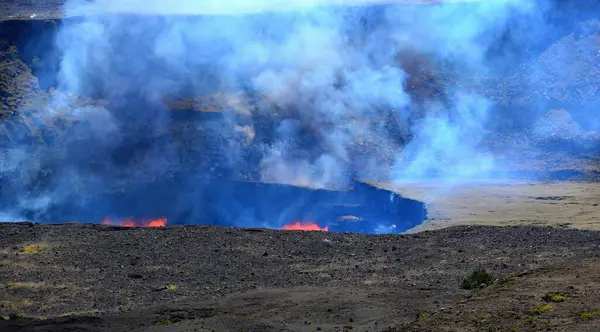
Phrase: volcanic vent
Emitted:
{"points": [[360, 208]]}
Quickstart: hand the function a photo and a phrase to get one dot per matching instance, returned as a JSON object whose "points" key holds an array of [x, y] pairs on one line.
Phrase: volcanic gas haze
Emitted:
{"points": [[305, 92], [331, 72]]}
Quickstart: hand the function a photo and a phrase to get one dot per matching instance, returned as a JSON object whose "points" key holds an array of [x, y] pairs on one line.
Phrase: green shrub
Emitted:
{"points": [[589, 315], [480, 318], [554, 297], [478, 279], [540, 309], [164, 322]]}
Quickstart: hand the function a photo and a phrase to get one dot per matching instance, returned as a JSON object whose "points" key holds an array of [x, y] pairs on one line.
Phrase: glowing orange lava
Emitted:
{"points": [[160, 222], [304, 226]]}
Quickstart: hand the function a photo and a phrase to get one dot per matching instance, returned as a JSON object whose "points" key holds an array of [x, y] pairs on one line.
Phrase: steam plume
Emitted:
{"points": [[334, 80]]}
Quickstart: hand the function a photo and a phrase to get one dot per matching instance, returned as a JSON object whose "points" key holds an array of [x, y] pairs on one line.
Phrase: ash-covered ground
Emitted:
{"points": [[189, 278]]}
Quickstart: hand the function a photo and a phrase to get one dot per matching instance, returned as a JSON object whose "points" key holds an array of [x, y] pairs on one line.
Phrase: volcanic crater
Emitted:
{"points": [[151, 209]]}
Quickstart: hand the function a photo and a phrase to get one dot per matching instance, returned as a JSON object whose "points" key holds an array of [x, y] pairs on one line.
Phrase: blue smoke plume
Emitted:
{"points": [[331, 79], [334, 68]]}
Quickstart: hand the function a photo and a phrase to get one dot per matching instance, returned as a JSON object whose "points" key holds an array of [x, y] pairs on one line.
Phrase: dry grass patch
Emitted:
{"points": [[25, 284], [18, 264], [34, 248], [33, 285], [170, 288], [90, 312]]}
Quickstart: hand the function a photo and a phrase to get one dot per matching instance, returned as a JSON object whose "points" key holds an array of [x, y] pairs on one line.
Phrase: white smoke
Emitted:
{"points": [[328, 72]]}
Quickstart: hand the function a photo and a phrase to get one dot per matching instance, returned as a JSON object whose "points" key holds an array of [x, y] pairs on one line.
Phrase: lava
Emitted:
{"points": [[160, 222], [304, 226]]}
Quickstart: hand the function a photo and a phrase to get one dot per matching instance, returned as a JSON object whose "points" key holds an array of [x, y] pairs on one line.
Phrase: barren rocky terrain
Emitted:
{"points": [[104, 278]]}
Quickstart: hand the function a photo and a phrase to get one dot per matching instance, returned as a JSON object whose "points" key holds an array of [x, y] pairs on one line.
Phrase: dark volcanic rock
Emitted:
{"points": [[17, 83], [210, 276]]}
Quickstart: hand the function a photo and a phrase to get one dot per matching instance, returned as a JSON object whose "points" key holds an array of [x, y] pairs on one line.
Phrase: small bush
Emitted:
{"points": [[531, 321], [589, 315], [480, 318], [164, 322], [540, 309], [32, 249], [554, 297], [478, 279]]}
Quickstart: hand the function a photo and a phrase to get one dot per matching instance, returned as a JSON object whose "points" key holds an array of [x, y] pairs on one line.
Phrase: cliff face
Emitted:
{"points": [[17, 83]]}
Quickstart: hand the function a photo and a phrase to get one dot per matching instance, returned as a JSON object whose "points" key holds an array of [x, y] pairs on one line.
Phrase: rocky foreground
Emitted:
{"points": [[83, 277]]}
